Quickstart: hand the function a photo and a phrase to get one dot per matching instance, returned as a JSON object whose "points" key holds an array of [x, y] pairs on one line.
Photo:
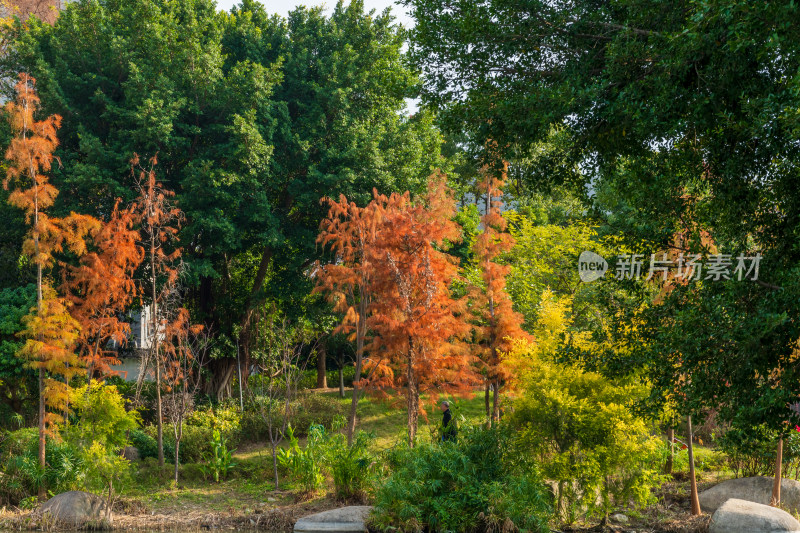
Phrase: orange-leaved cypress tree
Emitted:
{"points": [[414, 319], [160, 221], [350, 232], [180, 344], [102, 287], [51, 332], [497, 322]]}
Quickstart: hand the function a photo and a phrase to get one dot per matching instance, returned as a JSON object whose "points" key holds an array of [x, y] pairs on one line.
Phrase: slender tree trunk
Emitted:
{"points": [[486, 401], [247, 315], [177, 457], [496, 401], [42, 438], [341, 378], [361, 332], [156, 359], [42, 428], [322, 378], [275, 464], [776, 485], [671, 456], [695, 499], [413, 397]]}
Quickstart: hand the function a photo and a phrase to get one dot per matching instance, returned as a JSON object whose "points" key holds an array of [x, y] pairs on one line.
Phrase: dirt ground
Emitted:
{"points": [[130, 515]]}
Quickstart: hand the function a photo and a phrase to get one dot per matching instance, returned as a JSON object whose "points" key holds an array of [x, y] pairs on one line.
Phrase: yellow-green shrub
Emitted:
{"points": [[582, 429]]}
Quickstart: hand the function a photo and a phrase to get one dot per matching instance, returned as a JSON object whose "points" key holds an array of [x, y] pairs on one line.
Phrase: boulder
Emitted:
{"points": [[753, 489], [131, 453], [76, 508], [345, 520], [619, 517], [740, 516]]}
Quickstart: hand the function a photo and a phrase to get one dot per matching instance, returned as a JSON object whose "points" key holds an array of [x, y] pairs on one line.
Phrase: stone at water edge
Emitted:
{"points": [[345, 520], [76, 507], [740, 516], [753, 489]]}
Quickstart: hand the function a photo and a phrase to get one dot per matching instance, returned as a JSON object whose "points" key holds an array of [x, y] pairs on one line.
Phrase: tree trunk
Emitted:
{"points": [[322, 377], [413, 398], [42, 439], [275, 464], [361, 333], [496, 401], [671, 456], [776, 485], [247, 315], [695, 499], [486, 402], [221, 372], [159, 414], [177, 460], [154, 347], [42, 494]]}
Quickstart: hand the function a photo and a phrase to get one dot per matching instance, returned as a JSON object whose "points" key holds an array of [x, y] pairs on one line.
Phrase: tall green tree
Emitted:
{"points": [[151, 77], [683, 115], [254, 119], [342, 128]]}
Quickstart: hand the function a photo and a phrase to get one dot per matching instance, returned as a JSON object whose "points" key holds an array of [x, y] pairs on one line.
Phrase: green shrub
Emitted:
{"points": [[147, 445], [472, 484], [305, 411], [218, 462], [752, 451], [308, 380], [100, 416], [225, 418], [305, 464], [198, 434], [588, 439], [350, 466], [21, 476], [315, 409]]}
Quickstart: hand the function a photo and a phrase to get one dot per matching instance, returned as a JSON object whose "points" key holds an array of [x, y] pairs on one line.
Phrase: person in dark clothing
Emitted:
{"points": [[448, 424]]}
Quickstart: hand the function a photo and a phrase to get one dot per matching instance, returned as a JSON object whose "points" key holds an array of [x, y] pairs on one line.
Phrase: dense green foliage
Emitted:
{"points": [[451, 486], [17, 382], [682, 116], [625, 127], [22, 475], [254, 119], [582, 428]]}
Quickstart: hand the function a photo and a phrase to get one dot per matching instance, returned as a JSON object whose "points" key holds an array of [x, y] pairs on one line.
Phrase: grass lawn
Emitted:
{"points": [[387, 419], [251, 482]]}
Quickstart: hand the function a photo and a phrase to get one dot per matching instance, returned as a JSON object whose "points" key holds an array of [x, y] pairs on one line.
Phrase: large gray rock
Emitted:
{"points": [[76, 508], [345, 520], [740, 516], [753, 489], [131, 453]]}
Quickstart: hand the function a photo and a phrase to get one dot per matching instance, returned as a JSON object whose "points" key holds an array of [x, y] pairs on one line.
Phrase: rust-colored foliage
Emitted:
{"points": [[50, 332], [414, 319], [160, 221], [351, 233], [497, 322], [102, 287]]}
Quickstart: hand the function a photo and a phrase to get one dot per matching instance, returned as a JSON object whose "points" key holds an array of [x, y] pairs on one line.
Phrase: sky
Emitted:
{"points": [[282, 7]]}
